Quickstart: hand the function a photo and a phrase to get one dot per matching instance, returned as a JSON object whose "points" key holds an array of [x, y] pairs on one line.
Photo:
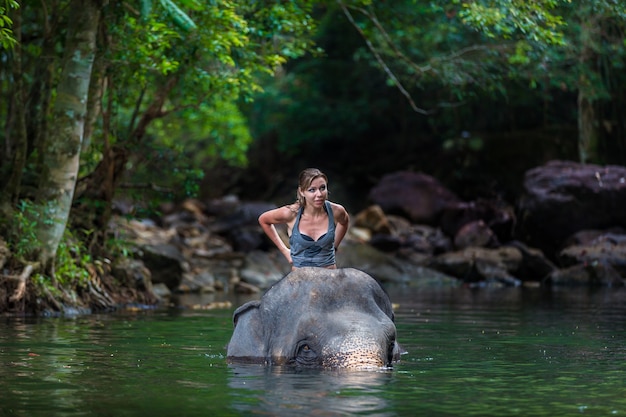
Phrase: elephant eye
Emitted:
{"points": [[305, 355]]}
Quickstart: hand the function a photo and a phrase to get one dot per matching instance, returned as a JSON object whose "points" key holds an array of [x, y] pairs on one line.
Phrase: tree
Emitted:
{"points": [[63, 144], [86, 86], [192, 71], [559, 44]]}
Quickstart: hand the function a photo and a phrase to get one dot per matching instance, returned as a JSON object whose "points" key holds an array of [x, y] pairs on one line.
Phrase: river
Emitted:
{"points": [[486, 352]]}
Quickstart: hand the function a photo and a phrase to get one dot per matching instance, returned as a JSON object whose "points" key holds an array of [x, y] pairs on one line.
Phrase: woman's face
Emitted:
{"points": [[316, 193]]}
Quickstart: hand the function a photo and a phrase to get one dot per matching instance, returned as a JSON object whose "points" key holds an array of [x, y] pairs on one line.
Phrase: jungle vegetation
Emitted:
{"points": [[154, 100]]}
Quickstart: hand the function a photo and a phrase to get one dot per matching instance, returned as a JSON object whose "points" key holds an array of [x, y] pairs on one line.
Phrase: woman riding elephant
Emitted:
{"points": [[315, 225]]}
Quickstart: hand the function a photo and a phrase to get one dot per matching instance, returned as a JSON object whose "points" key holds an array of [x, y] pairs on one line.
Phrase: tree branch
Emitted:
{"points": [[382, 63]]}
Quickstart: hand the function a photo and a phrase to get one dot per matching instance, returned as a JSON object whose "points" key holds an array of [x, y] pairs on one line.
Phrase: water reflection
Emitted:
{"points": [[282, 391], [502, 352]]}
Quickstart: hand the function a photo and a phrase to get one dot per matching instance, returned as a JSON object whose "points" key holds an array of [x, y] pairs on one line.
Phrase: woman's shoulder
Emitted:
{"points": [[293, 207], [339, 211], [281, 214], [289, 211], [336, 206]]}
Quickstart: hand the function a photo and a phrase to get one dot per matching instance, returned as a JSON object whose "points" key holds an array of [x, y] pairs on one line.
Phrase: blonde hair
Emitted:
{"points": [[304, 181]]}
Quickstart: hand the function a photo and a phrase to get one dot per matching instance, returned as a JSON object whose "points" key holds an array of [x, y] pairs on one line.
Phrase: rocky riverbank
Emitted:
{"points": [[566, 229]]}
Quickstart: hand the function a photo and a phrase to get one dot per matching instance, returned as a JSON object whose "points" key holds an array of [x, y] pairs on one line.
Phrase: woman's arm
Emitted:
{"points": [[267, 220], [343, 222]]}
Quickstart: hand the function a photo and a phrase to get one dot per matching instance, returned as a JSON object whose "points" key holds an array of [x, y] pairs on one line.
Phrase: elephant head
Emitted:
{"points": [[317, 317]]}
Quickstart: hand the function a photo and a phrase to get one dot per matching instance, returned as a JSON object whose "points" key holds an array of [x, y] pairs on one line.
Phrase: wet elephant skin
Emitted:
{"points": [[317, 317]]}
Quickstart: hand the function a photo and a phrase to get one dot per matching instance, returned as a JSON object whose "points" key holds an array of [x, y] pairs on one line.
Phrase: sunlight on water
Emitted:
{"points": [[509, 352]]}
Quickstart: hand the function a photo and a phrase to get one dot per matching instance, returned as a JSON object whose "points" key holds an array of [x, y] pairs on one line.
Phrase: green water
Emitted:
{"points": [[511, 352]]}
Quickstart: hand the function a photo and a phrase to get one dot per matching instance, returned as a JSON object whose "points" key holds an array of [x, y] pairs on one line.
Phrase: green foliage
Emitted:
{"points": [[212, 53], [119, 248], [425, 46], [436, 58], [177, 150], [509, 19], [72, 257], [7, 41], [143, 53], [22, 229], [72, 261], [215, 130]]}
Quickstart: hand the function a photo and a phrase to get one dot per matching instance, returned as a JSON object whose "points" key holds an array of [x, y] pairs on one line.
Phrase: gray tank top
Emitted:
{"points": [[308, 252]]}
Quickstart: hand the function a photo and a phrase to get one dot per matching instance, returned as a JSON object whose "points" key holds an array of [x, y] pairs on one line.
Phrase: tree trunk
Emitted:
{"points": [[63, 145], [102, 183], [587, 134], [19, 141], [587, 94]]}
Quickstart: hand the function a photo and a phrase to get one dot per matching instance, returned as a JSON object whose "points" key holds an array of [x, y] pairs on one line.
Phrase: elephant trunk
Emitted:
{"points": [[355, 351]]}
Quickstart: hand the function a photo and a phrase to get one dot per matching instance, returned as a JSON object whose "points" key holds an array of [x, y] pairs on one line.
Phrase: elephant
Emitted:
{"points": [[317, 318]]}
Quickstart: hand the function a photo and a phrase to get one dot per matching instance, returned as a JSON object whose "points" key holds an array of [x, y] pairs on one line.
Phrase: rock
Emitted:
{"points": [[426, 239], [385, 242], [161, 291], [416, 196], [223, 206], [479, 264], [609, 249], [247, 238], [133, 273], [197, 282], [262, 269], [475, 233], [562, 198], [496, 214], [419, 238], [246, 214], [359, 234], [190, 211], [242, 228], [535, 266], [165, 262], [374, 219], [585, 237], [245, 288], [587, 275], [388, 268], [405, 236]]}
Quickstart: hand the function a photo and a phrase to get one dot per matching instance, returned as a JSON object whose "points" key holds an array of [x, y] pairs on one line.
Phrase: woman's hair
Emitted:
{"points": [[306, 178]]}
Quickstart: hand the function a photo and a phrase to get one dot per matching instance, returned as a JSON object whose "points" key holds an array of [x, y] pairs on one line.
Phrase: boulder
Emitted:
{"points": [[475, 233], [535, 266], [416, 196], [374, 219], [609, 249], [480, 264], [498, 215], [564, 197], [132, 273], [165, 262], [389, 268], [586, 275], [262, 269]]}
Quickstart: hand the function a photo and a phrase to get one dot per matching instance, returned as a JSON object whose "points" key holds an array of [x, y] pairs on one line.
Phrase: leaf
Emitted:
{"points": [[180, 18]]}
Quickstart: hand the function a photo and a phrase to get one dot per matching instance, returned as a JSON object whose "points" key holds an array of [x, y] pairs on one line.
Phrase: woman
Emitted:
{"points": [[315, 225]]}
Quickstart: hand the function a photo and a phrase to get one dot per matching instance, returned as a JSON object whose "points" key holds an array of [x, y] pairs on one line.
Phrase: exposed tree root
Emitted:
{"points": [[20, 291], [20, 294]]}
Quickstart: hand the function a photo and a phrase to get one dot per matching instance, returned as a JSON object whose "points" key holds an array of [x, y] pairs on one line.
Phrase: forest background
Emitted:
{"points": [[154, 101]]}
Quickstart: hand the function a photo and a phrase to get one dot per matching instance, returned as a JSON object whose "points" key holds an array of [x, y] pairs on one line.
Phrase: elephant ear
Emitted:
{"points": [[243, 309], [247, 342]]}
